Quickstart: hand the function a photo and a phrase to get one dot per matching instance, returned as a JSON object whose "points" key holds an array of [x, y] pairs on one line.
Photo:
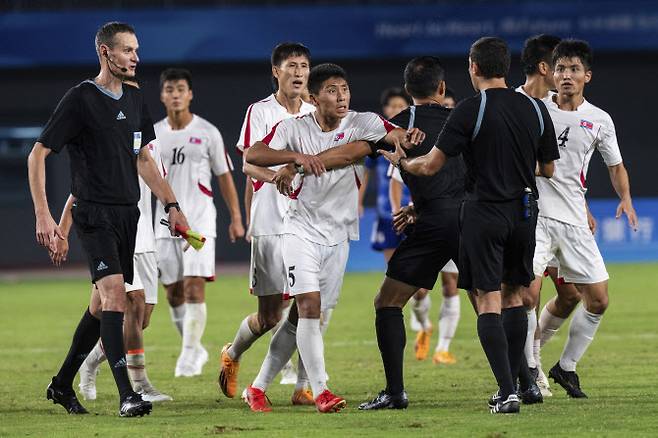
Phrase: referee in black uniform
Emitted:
{"points": [[502, 135], [105, 125], [434, 240]]}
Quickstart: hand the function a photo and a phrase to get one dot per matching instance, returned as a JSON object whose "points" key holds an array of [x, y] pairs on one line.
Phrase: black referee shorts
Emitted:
{"points": [[108, 234], [433, 241], [497, 244]]}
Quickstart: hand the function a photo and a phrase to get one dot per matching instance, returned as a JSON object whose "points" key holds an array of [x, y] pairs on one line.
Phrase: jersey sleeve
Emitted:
{"points": [[253, 128], [64, 124], [548, 149], [278, 137], [458, 129], [373, 127], [148, 132], [219, 159], [608, 146], [154, 148], [395, 174]]}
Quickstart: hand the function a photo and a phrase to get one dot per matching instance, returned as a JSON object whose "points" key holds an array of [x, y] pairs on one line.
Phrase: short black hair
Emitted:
{"points": [[285, 50], [392, 92], [450, 93], [105, 34], [423, 75], [537, 49], [175, 74], [492, 57], [574, 49], [321, 73]]}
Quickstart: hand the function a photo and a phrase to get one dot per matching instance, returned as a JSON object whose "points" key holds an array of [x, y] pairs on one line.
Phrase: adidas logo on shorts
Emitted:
{"points": [[101, 266]]}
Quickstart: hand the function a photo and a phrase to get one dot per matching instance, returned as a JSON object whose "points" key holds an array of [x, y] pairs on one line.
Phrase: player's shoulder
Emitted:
{"points": [[262, 106], [161, 125], [201, 124], [596, 113]]}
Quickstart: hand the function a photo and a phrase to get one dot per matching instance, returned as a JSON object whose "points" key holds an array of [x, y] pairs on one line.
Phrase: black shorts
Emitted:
{"points": [[107, 233], [497, 244], [433, 241]]}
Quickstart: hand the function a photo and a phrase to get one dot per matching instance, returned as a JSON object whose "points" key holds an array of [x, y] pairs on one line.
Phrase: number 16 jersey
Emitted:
{"points": [[191, 156]]}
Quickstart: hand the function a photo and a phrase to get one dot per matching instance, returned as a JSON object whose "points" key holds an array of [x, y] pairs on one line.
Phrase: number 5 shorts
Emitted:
{"points": [[174, 263], [312, 267]]}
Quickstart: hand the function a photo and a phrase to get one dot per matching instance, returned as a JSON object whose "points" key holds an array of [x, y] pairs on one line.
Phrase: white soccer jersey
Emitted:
{"points": [[579, 133], [145, 241], [268, 206], [324, 209], [192, 155]]}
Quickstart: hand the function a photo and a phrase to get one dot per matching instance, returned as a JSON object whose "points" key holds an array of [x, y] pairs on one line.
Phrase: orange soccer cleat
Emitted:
{"points": [[422, 345], [257, 400], [444, 357], [328, 402], [228, 373], [302, 397]]}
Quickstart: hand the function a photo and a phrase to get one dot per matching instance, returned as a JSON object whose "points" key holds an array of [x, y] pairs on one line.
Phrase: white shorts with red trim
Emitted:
{"points": [[312, 267], [573, 247], [267, 273], [145, 269], [174, 263]]}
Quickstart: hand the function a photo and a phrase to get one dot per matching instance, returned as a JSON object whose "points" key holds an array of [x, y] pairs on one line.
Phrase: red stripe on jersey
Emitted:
{"points": [[164, 169], [205, 190], [247, 129], [295, 194], [387, 125], [358, 181], [229, 163], [582, 178], [257, 184], [268, 138]]}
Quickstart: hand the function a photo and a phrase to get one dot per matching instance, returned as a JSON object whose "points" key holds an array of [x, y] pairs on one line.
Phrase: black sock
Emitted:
{"points": [[525, 378], [112, 337], [85, 337], [515, 323], [494, 343], [391, 338]]}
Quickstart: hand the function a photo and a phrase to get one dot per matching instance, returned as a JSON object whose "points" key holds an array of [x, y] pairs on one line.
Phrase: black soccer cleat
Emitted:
{"points": [[510, 406], [386, 401], [65, 397], [494, 399], [532, 395], [568, 380], [134, 406]]}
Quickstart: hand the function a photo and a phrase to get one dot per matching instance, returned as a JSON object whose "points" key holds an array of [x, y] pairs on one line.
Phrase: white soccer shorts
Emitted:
{"points": [[267, 272], [578, 256], [145, 268], [174, 263], [450, 268], [312, 267]]}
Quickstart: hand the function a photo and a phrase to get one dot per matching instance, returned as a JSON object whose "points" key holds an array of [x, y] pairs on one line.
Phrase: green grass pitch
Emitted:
{"points": [[618, 372]]}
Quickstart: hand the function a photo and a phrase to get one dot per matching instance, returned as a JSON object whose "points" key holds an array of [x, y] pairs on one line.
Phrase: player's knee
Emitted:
{"points": [[598, 304]]}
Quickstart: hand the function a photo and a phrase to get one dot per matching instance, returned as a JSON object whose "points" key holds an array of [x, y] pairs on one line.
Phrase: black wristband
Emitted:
{"points": [[171, 204]]}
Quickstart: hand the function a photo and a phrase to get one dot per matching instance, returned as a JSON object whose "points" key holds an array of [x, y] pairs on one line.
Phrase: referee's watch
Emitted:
{"points": [[170, 205], [299, 168]]}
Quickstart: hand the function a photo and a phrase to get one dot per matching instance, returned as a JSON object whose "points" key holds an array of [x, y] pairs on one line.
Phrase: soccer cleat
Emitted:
{"points": [[228, 373], [152, 395], [302, 397], [531, 395], [328, 402], [200, 359], [256, 399], [288, 374], [87, 383], [494, 399], [568, 380], [384, 400], [542, 382], [134, 406], [422, 345], [510, 406], [65, 397], [185, 366], [444, 357]]}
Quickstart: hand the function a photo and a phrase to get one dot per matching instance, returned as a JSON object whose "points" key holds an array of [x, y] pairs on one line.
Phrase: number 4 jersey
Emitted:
{"points": [[579, 134], [192, 155]]}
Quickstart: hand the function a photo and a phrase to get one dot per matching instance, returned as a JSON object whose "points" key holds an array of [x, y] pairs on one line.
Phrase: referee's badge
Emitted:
{"points": [[137, 141]]}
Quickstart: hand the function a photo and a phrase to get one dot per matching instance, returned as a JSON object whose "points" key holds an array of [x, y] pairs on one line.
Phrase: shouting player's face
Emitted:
{"points": [[571, 76], [176, 95], [333, 100], [123, 54], [292, 75]]}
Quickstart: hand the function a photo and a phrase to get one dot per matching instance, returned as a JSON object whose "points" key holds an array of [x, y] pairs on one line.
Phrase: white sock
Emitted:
{"points": [[96, 356], [311, 348], [581, 333], [549, 324], [282, 346], [421, 309], [530, 338], [448, 321], [536, 351], [242, 341], [177, 315], [137, 370], [325, 317], [284, 317], [194, 325], [302, 377]]}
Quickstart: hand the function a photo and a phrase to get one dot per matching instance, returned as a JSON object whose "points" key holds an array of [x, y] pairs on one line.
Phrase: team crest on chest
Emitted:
{"points": [[195, 140], [586, 124]]}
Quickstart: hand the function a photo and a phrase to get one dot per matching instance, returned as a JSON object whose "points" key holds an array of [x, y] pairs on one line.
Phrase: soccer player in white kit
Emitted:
{"points": [[265, 212], [562, 228], [323, 216], [193, 150]]}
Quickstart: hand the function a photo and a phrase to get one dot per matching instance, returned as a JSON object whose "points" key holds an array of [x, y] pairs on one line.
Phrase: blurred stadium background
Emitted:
{"points": [[47, 47]]}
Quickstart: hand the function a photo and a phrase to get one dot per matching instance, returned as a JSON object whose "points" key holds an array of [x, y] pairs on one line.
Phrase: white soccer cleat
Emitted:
{"points": [[185, 365], [542, 382], [153, 395], [288, 374], [87, 383], [200, 359]]}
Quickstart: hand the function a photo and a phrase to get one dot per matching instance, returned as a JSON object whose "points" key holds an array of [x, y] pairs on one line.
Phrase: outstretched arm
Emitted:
{"points": [[425, 165], [622, 185], [260, 154]]}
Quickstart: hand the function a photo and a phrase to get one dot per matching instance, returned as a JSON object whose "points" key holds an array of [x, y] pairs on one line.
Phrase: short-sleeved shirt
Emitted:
{"points": [[268, 206], [449, 182], [383, 174], [192, 155], [501, 159], [579, 133], [324, 209], [145, 241], [104, 133]]}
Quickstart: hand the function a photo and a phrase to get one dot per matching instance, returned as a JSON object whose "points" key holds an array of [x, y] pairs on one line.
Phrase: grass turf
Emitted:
{"points": [[618, 372]]}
